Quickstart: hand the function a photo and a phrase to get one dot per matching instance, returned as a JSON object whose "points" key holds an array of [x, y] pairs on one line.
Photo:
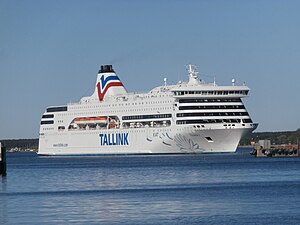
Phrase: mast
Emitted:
{"points": [[193, 77]]}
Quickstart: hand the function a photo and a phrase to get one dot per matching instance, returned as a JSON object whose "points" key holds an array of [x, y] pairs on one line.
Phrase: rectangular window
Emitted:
{"points": [[209, 139], [247, 121], [61, 128], [48, 116], [57, 109], [47, 122]]}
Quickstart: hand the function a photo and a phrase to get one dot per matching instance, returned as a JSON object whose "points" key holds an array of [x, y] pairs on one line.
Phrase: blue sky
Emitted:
{"points": [[50, 52]]}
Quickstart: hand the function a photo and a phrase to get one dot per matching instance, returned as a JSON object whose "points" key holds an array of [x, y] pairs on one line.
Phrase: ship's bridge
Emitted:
{"points": [[211, 91], [196, 88]]}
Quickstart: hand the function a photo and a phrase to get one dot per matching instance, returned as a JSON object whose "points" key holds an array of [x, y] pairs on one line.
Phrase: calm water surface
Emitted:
{"points": [[176, 189]]}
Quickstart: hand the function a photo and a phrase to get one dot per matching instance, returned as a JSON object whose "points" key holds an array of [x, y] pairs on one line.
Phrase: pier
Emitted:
{"points": [[264, 149], [2, 160]]}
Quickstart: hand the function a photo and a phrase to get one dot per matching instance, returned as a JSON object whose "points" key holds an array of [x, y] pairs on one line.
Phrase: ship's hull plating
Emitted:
{"points": [[142, 141]]}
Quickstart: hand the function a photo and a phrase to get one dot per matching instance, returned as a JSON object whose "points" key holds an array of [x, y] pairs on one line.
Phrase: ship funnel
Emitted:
{"points": [[106, 69], [108, 83]]}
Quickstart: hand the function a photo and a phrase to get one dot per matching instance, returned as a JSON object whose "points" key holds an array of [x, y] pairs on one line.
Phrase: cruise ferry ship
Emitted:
{"points": [[187, 117]]}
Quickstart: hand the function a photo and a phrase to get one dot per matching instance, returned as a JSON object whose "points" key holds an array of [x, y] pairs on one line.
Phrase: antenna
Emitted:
{"points": [[192, 70], [193, 78], [233, 82], [165, 81]]}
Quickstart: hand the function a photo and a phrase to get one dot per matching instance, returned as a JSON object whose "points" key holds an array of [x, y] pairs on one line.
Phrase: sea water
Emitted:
{"points": [[167, 189]]}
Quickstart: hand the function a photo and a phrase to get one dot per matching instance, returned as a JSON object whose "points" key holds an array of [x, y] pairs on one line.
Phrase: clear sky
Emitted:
{"points": [[50, 52]]}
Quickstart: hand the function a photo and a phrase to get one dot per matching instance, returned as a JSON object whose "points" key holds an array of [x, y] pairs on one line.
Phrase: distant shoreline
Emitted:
{"points": [[277, 138], [21, 145]]}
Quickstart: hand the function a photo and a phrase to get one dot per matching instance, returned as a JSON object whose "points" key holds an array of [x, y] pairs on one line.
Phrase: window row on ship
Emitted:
{"points": [[46, 116], [213, 114], [206, 121], [96, 132], [239, 92], [153, 116], [205, 100], [103, 105], [114, 111], [65, 108], [98, 113], [161, 124], [156, 116], [80, 106], [145, 124], [197, 107], [125, 125]]}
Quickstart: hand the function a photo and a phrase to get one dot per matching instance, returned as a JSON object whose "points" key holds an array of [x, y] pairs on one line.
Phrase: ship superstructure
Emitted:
{"points": [[189, 117]]}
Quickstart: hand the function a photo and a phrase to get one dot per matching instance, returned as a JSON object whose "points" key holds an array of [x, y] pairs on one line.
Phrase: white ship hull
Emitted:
{"points": [[160, 141], [188, 117]]}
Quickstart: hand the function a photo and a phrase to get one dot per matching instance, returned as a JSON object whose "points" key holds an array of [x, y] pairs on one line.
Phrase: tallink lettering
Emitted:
{"points": [[114, 139]]}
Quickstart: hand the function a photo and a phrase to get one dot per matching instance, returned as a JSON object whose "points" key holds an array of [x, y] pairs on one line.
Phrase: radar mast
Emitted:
{"points": [[193, 77]]}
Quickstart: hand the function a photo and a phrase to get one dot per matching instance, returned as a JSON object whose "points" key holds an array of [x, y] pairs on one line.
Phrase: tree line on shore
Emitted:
{"points": [[277, 138], [20, 144]]}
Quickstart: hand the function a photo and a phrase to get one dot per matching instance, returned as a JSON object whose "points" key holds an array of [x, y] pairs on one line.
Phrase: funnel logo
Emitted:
{"points": [[106, 83]]}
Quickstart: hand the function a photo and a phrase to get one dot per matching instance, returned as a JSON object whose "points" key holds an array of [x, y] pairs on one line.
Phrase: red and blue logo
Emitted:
{"points": [[106, 83]]}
